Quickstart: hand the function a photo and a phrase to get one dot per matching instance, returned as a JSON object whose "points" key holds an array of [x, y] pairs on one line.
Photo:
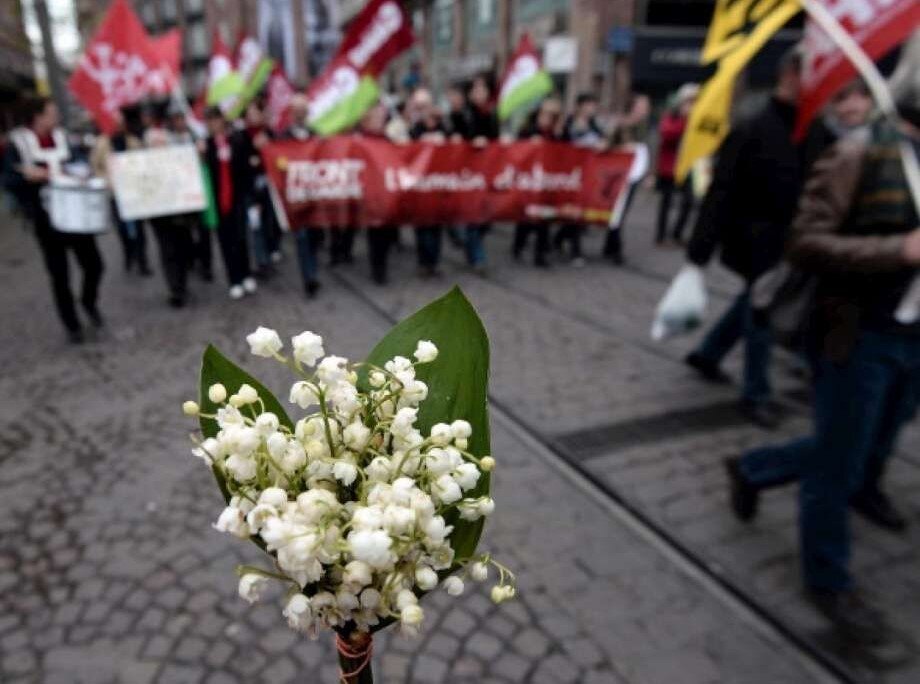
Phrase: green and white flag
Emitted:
{"points": [[225, 85], [341, 100], [254, 68], [524, 81]]}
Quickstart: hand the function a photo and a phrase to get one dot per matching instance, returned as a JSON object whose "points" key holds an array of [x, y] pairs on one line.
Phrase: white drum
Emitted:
{"points": [[79, 207]]}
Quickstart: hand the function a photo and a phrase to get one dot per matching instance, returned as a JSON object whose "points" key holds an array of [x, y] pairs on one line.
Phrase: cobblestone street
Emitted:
{"points": [[611, 496]]}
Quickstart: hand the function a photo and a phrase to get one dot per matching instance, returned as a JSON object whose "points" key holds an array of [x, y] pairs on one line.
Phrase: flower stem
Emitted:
{"points": [[355, 652]]}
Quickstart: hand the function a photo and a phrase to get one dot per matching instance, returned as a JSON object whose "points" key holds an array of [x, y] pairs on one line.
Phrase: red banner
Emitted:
{"points": [[352, 180], [876, 25], [116, 68]]}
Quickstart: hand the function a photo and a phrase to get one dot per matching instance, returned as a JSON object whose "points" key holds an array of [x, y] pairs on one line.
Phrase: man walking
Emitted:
{"points": [[745, 215], [857, 228]]}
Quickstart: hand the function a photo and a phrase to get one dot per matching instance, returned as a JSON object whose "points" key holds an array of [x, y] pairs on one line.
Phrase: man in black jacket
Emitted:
{"points": [[745, 215]]}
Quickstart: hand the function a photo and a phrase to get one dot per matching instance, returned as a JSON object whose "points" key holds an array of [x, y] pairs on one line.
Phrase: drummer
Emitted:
{"points": [[38, 151]]}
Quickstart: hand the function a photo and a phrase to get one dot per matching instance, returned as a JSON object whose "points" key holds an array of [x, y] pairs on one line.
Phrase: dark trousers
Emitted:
{"points": [[231, 234], [522, 233], [736, 323], [667, 187], [54, 246], [341, 245], [569, 233], [428, 245], [613, 243], [860, 407], [201, 246], [379, 242], [133, 240], [174, 235], [308, 244]]}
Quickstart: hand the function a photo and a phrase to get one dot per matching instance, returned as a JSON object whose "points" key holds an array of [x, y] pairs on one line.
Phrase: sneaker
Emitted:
{"points": [[876, 507], [249, 285], [311, 287], [75, 336], [744, 496], [236, 292], [763, 414], [853, 615], [276, 256], [176, 301], [708, 370]]}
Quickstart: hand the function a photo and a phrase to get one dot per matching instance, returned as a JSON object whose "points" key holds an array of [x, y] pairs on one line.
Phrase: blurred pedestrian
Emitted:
{"points": [[36, 154], [201, 255], [380, 238], [226, 156], [429, 127], [259, 211], [746, 215], [630, 132], [482, 128], [543, 125], [308, 239], [670, 133], [582, 130], [128, 135], [173, 232], [858, 229]]}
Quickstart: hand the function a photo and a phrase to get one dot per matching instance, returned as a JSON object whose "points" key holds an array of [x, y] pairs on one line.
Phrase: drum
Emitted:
{"points": [[77, 206]]}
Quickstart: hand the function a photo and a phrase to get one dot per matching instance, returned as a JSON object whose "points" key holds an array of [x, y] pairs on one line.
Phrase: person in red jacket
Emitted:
{"points": [[670, 132]]}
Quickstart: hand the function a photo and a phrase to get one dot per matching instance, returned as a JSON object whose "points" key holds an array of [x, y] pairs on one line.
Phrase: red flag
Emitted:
{"points": [[380, 32], [167, 51], [278, 104], [115, 69], [876, 25]]}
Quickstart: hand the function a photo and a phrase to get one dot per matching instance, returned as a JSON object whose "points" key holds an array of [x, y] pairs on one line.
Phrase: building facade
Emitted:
{"points": [[18, 73]]}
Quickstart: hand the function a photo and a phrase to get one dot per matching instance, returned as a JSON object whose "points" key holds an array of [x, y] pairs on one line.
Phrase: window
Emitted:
{"points": [[486, 12], [168, 10], [197, 37], [443, 21]]}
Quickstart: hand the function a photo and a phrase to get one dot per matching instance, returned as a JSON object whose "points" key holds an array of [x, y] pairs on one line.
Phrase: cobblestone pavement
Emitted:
{"points": [[110, 572]]}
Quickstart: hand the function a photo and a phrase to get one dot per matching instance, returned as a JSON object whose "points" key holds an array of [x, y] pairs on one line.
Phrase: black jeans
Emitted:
{"points": [[55, 245], [379, 242], [174, 235], [231, 233], [522, 233], [571, 233], [133, 239], [428, 245], [341, 244], [667, 188], [201, 246]]}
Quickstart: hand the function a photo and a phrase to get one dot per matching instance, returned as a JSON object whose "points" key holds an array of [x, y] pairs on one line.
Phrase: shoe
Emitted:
{"points": [[75, 336], [207, 276], [542, 262], [311, 288], [763, 414], [744, 496], [876, 507], [237, 292], [94, 316], [276, 256], [707, 369], [249, 285], [853, 615], [616, 258], [176, 301], [145, 271]]}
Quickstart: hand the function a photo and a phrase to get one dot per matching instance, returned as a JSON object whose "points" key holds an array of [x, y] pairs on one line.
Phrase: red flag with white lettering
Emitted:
{"points": [[115, 69], [876, 25], [380, 32]]}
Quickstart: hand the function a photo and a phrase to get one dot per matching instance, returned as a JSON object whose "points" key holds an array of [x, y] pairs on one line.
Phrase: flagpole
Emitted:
{"points": [[909, 309]]}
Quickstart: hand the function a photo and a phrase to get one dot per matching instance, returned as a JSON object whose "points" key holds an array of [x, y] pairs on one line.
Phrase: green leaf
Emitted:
{"points": [[215, 367], [457, 384]]}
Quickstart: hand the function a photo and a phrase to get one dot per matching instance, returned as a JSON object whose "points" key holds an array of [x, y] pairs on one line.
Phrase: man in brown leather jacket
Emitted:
{"points": [[857, 229]]}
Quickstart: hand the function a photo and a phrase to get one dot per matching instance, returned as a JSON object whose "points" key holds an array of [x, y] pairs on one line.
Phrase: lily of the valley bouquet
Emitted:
{"points": [[376, 493]]}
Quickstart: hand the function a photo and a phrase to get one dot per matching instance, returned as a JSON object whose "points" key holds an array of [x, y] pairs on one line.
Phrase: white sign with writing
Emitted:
{"points": [[161, 181], [560, 55]]}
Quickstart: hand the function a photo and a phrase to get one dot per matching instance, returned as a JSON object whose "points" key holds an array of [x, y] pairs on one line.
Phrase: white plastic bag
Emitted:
{"points": [[683, 305]]}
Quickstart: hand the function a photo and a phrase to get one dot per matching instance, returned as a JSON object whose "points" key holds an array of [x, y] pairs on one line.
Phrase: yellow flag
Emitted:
{"points": [[739, 29]]}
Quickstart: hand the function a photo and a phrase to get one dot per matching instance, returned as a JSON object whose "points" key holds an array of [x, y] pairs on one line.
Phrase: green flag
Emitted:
{"points": [[524, 81]]}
